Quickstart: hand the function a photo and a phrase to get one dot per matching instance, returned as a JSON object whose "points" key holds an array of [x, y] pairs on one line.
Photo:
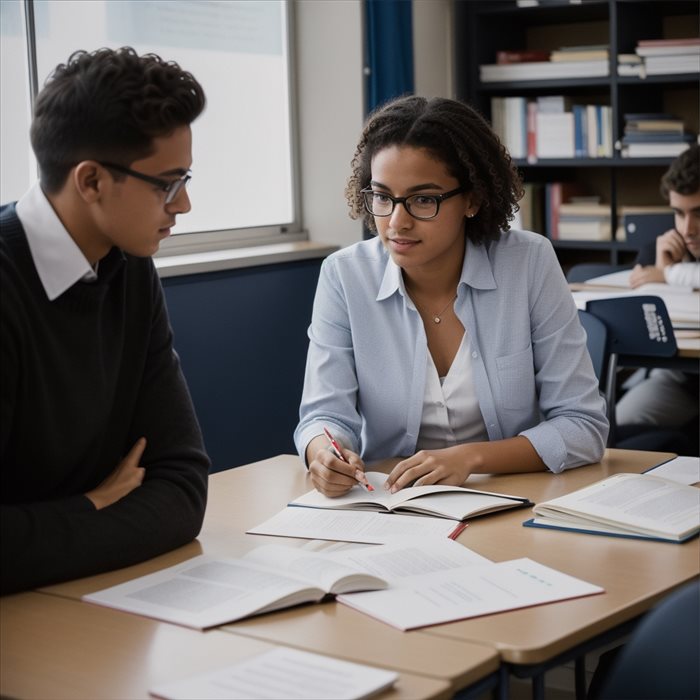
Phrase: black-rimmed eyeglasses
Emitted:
{"points": [[419, 206], [170, 187]]}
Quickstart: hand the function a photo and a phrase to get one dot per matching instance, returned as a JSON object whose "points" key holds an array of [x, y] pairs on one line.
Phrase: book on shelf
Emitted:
{"points": [[452, 502], [543, 70], [654, 150], [668, 47], [205, 591], [283, 674], [580, 53], [555, 194], [652, 121], [555, 135], [529, 216], [657, 137], [547, 3], [521, 55], [531, 131], [630, 64], [509, 121], [446, 595], [577, 228], [662, 65], [627, 505], [577, 206]]}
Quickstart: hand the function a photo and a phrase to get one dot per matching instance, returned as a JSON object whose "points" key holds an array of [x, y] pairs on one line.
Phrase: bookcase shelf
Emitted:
{"points": [[483, 27]]}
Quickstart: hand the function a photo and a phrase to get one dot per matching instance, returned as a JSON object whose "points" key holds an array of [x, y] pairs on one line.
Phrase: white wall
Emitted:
{"points": [[330, 101], [331, 98]]}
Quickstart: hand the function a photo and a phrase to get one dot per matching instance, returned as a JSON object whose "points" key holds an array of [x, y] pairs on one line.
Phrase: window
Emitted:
{"points": [[244, 170]]}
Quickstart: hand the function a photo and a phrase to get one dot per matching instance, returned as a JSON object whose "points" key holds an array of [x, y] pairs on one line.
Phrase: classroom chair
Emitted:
{"points": [[661, 661], [630, 326]]}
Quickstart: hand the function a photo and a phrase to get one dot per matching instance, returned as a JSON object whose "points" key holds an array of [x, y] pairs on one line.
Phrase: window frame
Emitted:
{"points": [[228, 238]]}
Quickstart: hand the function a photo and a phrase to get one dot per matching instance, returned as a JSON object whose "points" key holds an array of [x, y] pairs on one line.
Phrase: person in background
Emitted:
{"points": [[102, 463], [669, 398], [677, 252], [447, 339]]}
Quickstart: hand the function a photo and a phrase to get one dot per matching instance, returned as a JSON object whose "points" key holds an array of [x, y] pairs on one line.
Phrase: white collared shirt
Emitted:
{"points": [[58, 260], [451, 414]]}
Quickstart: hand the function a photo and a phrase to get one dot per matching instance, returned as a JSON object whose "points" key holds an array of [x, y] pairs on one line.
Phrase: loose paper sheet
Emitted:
{"points": [[282, 674], [350, 526]]}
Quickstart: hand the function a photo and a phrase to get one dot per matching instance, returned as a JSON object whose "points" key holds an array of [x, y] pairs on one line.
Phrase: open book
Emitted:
{"points": [[203, 592], [627, 505], [453, 502]]}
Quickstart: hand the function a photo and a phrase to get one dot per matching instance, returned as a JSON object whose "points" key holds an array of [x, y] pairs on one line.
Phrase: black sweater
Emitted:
{"points": [[82, 378]]}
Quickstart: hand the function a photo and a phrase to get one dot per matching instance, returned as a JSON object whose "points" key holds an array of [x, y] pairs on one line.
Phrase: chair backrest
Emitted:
{"points": [[597, 343], [586, 271], [636, 325], [661, 660]]}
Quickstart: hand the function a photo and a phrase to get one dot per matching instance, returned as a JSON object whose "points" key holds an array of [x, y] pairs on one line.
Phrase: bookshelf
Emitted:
{"points": [[485, 27]]}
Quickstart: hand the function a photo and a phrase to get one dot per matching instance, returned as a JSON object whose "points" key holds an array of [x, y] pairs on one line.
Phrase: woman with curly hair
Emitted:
{"points": [[448, 339]]}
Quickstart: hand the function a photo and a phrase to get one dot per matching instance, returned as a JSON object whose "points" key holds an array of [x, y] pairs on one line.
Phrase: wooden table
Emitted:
{"points": [[243, 497], [59, 648], [635, 574]]}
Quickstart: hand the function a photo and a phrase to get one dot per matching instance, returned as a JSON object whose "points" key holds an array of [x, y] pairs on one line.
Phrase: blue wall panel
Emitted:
{"points": [[241, 337]]}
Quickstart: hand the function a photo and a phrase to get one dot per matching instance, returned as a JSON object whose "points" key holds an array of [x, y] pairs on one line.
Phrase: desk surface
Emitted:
{"points": [[634, 573], [243, 497], [58, 648]]}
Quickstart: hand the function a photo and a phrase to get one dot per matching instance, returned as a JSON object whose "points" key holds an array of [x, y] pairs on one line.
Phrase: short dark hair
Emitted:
{"points": [[683, 176], [109, 105], [454, 133]]}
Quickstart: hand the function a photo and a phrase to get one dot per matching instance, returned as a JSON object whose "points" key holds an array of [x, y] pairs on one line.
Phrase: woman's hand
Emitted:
{"points": [[451, 466], [127, 476], [329, 474]]}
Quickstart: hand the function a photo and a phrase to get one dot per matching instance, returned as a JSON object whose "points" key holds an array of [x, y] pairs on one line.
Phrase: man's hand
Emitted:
{"points": [[646, 275], [670, 249], [123, 480]]}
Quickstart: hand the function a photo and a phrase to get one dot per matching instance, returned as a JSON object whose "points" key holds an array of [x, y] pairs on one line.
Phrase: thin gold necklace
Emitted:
{"points": [[437, 318]]}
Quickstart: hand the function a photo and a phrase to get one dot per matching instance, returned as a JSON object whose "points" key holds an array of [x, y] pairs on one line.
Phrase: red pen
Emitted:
{"points": [[338, 452]]}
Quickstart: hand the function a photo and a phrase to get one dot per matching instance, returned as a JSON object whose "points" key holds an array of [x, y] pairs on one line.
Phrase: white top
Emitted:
{"points": [[451, 413], [683, 274], [58, 260]]}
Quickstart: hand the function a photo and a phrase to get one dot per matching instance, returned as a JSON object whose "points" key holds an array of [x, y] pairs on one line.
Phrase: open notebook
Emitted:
{"points": [[453, 502]]}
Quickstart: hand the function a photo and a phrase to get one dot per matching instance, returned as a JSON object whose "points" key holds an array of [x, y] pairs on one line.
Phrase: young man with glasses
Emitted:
{"points": [[101, 457]]}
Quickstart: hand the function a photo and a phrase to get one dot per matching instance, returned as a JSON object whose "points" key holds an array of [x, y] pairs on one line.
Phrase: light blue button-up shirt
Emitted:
{"points": [[367, 359]]}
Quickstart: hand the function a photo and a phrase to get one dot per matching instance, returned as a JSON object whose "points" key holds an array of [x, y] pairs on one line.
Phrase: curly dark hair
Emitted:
{"points": [[683, 176], [109, 105], [457, 135]]}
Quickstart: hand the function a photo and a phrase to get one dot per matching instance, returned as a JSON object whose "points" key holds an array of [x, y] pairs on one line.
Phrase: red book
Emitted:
{"points": [[521, 56], [532, 132], [556, 193]]}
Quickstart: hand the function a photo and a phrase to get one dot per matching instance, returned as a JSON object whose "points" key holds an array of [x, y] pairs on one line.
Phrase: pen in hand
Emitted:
{"points": [[338, 452]]}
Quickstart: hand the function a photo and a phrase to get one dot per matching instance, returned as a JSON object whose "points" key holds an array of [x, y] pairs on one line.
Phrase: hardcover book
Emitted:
{"points": [[627, 505]]}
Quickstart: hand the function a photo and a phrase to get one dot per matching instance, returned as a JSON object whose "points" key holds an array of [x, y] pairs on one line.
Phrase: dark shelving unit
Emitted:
{"points": [[483, 27]]}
